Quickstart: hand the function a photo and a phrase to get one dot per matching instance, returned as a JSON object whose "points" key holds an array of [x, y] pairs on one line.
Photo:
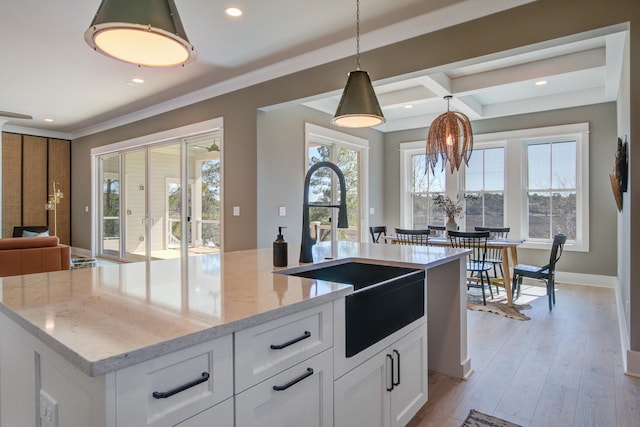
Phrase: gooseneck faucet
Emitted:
{"points": [[307, 243]]}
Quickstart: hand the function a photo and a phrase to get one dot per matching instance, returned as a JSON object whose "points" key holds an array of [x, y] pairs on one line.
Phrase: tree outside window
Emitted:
{"points": [[551, 189], [484, 179]]}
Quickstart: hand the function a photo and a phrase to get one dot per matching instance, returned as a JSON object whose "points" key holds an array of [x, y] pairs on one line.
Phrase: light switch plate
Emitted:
{"points": [[236, 211], [282, 210], [48, 410]]}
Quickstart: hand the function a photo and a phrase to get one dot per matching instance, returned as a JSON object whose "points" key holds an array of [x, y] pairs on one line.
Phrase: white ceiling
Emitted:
{"points": [[48, 70]]}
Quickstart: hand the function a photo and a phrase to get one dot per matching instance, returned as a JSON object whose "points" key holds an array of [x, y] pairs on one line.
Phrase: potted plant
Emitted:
{"points": [[453, 209]]}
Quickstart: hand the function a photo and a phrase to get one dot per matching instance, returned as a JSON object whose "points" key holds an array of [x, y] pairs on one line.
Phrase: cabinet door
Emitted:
{"points": [[220, 415], [410, 393], [361, 397], [307, 401]]}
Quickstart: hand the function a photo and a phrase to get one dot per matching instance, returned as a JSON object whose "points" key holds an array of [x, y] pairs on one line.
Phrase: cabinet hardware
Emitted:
{"points": [[295, 381], [306, 335], [392, 382], [165, 394], [398, 369]]}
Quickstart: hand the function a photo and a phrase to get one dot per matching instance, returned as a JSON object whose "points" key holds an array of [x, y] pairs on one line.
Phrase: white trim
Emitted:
{"points": [[633, 363], [181, 132], [624, 333], [37, 132], [356, 143], [451, 15], [596, 280], [513, 142]]}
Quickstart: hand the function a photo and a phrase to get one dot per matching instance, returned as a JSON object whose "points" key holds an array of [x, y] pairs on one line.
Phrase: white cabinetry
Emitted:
{"points": [[284, 371], [300, 396], [170, 389], [387, 389]]}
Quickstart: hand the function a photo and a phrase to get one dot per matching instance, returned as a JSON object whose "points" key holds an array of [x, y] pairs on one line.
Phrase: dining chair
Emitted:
{"points": [[412, 237], [546, 273], [477, 267], [438, 230], [494, 255], [377, 231]]}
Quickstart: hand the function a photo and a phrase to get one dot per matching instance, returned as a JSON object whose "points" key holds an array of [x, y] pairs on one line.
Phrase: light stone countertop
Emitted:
{"points": [[106, 318]]}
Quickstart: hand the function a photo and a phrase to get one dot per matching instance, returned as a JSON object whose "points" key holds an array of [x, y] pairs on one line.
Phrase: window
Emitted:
{"points": [[484, 180], [423, 188], [535, 181], [551, 189], [350, 154]]}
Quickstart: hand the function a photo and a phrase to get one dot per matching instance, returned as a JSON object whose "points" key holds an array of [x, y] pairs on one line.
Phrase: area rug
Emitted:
{"points": [[478, 419], [498, 306]]}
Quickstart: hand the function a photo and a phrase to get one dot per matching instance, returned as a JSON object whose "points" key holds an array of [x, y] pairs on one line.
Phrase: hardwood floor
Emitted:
{"points": [[561, 368]]}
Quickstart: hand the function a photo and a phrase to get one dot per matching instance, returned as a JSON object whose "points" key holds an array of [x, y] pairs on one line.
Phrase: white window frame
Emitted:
{"points": [[515, 212], [315, 133], [484, 146]]}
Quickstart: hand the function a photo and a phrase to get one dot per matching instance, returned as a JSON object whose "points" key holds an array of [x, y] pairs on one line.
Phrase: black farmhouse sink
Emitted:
{"points": [[385, 299]]}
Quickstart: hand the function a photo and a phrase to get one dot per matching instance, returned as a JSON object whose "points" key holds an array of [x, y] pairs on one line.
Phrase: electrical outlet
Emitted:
{"points": [[48, 410]]}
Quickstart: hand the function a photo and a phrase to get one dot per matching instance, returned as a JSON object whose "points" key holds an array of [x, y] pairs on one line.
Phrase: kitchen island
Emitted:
{"points": [[77, 345]]}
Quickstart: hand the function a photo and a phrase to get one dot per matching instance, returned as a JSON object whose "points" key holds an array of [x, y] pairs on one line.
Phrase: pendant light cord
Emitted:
{"points": [[357, 34]]}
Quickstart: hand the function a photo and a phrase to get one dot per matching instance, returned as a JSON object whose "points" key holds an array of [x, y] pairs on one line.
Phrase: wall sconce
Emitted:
{"points": [[51, 205]]}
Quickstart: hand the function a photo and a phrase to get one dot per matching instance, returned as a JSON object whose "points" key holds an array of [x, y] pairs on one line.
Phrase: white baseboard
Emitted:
{"points": [[586, 279], [633, 363]]}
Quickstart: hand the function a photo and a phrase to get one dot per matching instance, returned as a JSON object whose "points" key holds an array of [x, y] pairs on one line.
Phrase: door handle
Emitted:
{"points": [[398, 369], [308, 373], [389, 357], [164, 394]]}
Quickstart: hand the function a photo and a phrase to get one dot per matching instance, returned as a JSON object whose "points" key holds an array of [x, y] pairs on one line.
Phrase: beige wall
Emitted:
{"points": [[601, 259], [537, 22], [281, 143]]}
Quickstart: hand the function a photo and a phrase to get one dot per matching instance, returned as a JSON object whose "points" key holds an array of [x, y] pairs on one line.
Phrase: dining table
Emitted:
{"points": [[508, 248]]}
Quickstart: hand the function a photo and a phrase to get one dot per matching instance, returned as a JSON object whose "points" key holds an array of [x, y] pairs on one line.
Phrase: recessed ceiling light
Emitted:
{"points": [[541, 82], [49, 120], [233, 11], [137, 80], [408, 106]]}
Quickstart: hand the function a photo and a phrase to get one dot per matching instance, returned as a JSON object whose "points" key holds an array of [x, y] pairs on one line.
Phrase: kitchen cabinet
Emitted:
{"points": [[172, 388], [220, 415], [387, 389], [284, 370], [264, 350], [300, 395]]}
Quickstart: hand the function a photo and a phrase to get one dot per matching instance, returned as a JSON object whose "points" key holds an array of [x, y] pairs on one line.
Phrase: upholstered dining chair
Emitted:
{"points": [[412, 237], [377, 231], [477, 267], [494, 255], [546, 273]]}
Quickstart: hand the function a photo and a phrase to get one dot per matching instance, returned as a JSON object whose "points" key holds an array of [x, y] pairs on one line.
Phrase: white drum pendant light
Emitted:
{"points": [[358, 107], [141, 32]]}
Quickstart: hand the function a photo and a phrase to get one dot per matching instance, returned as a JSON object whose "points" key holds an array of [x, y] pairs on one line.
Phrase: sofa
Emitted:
{"points": [[26, 255]]}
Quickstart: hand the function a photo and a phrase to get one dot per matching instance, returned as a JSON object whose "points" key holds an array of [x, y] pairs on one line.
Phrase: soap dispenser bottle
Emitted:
{"points": [[280, 254]]}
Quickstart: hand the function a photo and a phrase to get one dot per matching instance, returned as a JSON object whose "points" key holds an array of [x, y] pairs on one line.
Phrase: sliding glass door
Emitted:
{"points": [[144, 212]]}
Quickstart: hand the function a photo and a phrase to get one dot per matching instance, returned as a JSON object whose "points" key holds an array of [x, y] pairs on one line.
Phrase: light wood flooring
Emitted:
{"points": [[561, 368]]}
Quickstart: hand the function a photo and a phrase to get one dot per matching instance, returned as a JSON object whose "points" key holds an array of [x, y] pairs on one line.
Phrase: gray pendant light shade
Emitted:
{"points": [[141, 32], [358, 106]]}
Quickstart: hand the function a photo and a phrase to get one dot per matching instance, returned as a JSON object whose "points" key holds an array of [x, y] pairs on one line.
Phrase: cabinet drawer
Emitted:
{"points": [[220, 415], [300, 396], [171, 388], [266, 349]]}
